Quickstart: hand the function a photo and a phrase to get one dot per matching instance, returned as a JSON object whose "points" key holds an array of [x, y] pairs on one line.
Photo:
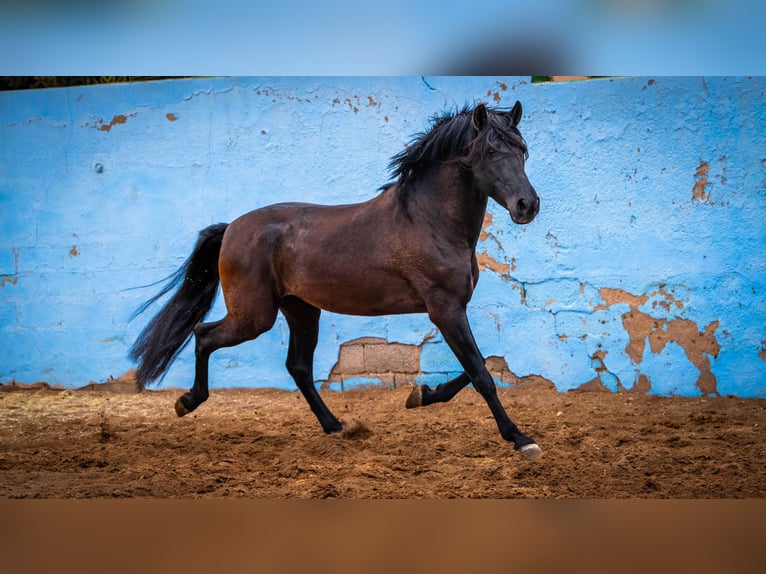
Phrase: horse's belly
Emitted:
{"points": [[373, 309], [356, 303], [355, 298]]}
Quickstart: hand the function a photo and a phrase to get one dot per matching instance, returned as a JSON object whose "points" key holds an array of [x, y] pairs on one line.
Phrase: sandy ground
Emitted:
{"points": [[266, 443]]}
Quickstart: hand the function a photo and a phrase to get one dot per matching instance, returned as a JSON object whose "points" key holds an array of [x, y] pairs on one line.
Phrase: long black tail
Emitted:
{"points": [[170, 330]]}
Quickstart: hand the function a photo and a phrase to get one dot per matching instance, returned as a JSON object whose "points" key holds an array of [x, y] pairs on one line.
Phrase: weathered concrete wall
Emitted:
{"points": [[645, 270]]}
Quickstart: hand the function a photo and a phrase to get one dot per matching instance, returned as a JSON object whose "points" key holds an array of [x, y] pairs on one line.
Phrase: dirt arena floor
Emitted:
{"points": [[99, 443]]}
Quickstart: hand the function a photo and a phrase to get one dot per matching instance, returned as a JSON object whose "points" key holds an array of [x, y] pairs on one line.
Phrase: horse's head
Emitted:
{"points": [[497, 162]]}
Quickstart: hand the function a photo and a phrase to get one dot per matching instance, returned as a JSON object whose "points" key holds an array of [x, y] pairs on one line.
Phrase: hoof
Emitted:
{"points": [[333, 427], [416, 398], [531, 451], [181, 409]]}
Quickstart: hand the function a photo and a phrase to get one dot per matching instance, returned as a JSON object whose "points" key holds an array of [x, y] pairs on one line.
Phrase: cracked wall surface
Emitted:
{"points": [[644, 271], [373, 361]]}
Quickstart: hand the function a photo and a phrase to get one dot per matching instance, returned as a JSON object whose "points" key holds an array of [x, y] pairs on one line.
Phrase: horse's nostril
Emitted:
{"points": [[522, 205]]}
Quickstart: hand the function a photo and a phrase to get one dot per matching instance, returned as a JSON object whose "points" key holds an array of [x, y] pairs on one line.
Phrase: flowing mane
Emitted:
{"points": [[451, 136]]}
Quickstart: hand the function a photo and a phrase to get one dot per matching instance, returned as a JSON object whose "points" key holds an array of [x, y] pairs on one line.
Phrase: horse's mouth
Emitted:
{"points": [[523, 219], [525, 209]]}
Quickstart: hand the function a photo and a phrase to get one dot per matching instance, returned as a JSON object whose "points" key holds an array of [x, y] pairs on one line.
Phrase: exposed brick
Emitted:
{"points": [[350, 360], [386, 380], [367, 341], [496, 364], [404, 379], [393, 357]]}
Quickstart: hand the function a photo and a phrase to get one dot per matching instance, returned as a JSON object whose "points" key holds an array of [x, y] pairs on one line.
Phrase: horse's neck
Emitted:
{"points": [[449, 202]]}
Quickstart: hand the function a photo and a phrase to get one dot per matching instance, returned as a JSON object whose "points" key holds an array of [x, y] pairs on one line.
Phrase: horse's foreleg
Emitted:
{"points": [[423, 395], [452, 322], [303, 320]]}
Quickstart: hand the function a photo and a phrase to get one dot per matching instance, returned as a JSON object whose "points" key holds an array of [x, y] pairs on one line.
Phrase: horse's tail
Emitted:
{"points": [[170, 330]]}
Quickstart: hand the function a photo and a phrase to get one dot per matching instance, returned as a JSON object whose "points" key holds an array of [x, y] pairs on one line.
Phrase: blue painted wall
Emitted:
{"points": [[646, 268]]}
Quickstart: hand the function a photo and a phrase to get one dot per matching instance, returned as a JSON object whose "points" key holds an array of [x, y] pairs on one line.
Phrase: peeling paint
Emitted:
{"points": [[276, 94], [495, 95], [598, 358], [485, 234], [698, 191], [11, 278], [669, 301], [642, 384], [698, 345], [74, 252], [597, 383], [171, 117], [498, 368], [8, 280], [503, 270], [118, 119], [594, 385], [489, 263], [373, 360], [615, 296], [485, 261]]}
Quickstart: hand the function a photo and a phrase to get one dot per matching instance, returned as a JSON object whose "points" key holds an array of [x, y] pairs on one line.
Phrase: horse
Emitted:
{"points": [[409, 249]]}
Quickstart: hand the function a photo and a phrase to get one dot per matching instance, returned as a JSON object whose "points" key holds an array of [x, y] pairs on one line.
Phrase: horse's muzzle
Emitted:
{"points": [[525, 210]]}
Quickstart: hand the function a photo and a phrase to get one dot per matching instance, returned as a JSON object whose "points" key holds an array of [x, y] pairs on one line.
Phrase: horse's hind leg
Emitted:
{"points": [[209, 337], [423, 395], [303, 320]]}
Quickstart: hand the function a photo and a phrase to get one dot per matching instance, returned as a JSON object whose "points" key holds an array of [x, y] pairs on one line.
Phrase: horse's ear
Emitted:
{"points": [[516, 113], [480, 116]]}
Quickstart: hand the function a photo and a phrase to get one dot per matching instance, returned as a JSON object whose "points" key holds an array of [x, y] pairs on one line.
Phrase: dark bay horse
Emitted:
{"points": [[410, 249]]}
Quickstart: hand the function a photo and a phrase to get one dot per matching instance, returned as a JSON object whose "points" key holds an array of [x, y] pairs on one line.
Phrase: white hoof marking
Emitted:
{"points": [[531, 451]]}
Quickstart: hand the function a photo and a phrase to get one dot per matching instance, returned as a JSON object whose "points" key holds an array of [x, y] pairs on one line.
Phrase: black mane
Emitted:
{"points": [[451, 136]]}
